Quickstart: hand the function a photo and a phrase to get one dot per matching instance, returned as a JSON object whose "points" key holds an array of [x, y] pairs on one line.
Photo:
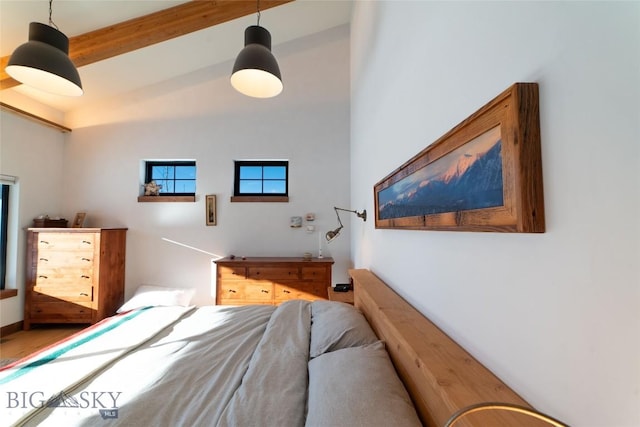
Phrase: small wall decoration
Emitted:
{"points": [[296, 222], [483, 175], [211, 209], [78, 220]]}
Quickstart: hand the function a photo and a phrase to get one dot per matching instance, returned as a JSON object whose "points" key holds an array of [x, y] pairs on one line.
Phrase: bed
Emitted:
{"points": [[302, 363]]}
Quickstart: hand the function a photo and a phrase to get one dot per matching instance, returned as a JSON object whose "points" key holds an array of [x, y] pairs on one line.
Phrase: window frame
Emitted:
{"points": [[4, 228], [259, 197], [148, 173]]}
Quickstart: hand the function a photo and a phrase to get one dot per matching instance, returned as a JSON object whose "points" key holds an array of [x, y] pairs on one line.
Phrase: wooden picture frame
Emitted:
{"points": [[483, 175], [211, 215], [78, 220]]}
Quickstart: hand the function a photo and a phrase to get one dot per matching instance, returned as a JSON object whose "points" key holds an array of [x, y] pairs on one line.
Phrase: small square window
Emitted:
{"points": [[261, 178], [177, 178]]}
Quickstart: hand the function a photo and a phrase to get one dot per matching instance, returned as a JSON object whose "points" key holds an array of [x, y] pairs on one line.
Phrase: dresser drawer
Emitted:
{"points": [[64, 259], [65, 292], [273, 273], [60, 312], [232, 273], [314, 273], [246, 291], [59, 276], [306, 291], [65, 241]]}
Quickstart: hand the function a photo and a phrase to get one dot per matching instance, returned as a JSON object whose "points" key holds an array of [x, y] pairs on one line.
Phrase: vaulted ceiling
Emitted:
{"points": [[122, 45]]}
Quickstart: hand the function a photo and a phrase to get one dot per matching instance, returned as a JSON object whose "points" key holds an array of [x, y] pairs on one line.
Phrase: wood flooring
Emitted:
{"points": [[23, 343]]}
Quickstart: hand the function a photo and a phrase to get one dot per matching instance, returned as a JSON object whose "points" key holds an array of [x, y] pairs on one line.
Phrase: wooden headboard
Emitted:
{"points": [[440, 376]]}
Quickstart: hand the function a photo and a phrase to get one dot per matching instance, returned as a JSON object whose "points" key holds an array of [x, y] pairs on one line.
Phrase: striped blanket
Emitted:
{"points": [[168, 366], [43, 379]]}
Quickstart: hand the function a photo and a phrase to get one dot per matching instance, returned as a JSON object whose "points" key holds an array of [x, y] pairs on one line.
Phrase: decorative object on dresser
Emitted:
{"points": [[335, 233], [78, 220], [483, 175], [43, 221], [271, 280], [74, 275]]}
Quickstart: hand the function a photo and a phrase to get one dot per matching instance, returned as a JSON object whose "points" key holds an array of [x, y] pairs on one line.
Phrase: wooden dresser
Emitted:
{"points": [[74, 275], [272, 280]]}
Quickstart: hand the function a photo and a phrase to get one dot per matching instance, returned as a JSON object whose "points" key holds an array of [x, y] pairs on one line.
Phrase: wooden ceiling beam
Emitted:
{"points": [[150, 29]]}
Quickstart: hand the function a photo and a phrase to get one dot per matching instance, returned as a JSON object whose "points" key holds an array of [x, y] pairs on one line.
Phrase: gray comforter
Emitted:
{"points": [[301, 363]]}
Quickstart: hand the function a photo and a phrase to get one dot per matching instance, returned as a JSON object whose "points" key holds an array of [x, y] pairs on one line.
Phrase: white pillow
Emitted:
{"points": [[148, 295], [357, 387]]}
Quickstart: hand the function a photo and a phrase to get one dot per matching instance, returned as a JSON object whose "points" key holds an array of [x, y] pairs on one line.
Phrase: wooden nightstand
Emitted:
{"points": [[340, 296]]}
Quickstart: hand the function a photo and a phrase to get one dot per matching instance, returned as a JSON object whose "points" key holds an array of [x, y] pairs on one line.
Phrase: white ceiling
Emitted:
{"points": [[159, 62]]}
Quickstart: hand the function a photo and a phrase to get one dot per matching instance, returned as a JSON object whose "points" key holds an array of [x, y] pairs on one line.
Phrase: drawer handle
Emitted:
{"points": [[43, 259], [264, 291], [286, 291], [42, 276], [85, 259], [233, 291], [44, 241], [84, 294], [86, 242], [84, 276]]}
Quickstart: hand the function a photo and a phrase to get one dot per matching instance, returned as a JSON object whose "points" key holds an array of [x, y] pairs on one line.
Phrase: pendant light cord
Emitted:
{"points": [[51, 23], [257, 6]]}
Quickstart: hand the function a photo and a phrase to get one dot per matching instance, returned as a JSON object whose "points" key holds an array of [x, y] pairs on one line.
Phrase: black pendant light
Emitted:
{"points": [[256, 72], [43, 62]]}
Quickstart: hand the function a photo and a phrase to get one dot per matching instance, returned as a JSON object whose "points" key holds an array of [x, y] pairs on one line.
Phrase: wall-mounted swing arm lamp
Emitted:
{"points": [[256, 72], [334, 233], [488, 406], [43, 62]]}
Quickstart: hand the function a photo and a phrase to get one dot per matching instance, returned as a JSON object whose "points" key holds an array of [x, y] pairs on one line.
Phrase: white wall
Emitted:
{"points": [[555, 315], [201, 117], [34, 154], [96, 168]]}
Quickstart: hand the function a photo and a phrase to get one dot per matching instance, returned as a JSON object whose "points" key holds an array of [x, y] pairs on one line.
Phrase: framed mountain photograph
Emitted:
{"points": [[483, 175]]}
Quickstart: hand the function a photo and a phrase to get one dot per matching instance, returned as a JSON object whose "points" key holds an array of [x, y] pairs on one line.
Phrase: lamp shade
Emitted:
{"points": [[43, 62], [256, 72], [332, 234]]}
